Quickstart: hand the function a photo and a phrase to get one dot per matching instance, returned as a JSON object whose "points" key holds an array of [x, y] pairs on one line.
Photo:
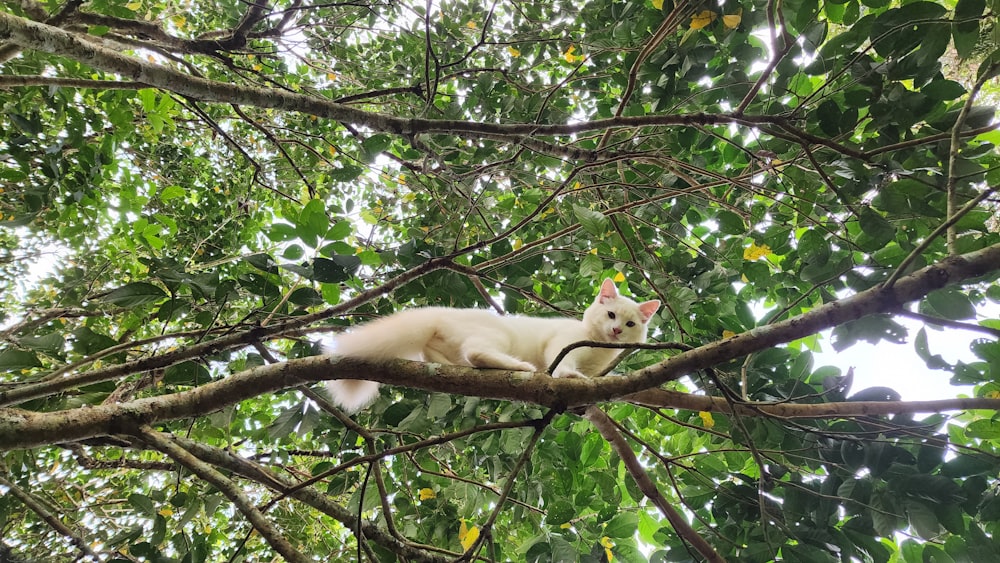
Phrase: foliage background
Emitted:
{"points": [[192, 192]]}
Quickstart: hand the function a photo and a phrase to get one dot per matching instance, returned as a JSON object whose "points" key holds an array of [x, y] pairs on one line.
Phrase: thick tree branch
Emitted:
{"points": [[43, 388], [49, 39], [20, 428]]}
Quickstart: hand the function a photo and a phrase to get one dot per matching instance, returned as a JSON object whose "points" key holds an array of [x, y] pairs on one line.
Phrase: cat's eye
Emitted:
{"points": [[611, 314], [630, 324]]}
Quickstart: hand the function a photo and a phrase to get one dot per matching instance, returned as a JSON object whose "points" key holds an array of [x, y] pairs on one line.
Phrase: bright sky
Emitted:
{"points": [[897, 365]]}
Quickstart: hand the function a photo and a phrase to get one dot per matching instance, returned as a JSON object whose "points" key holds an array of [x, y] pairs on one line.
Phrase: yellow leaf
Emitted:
{"points": [[257, 67], [706, 419], [470, 24], [619, 277], [166, 513], [179, 21], [514, 51], [733, 21], [658, 4], [331, 76], [426, 493], [593, 251], [754, 252], [728, 334], [468, 536], [518, 243], [993, 395], [608, 544], [570, 57], [134, 6], [702, 19], [565, 526], [577, 185]]}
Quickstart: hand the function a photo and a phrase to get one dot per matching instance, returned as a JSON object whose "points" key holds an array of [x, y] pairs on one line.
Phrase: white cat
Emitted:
{"points": [[480, 338]]}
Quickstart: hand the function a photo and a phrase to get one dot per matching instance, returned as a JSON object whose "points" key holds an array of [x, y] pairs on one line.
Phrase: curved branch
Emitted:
{"points": [[228, 488], [606, 427], [307, 495], [52, 520]]}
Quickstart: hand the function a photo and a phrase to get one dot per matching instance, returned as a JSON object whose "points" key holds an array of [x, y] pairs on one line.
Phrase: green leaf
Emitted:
{"points": [[623, 525], [374, 145], [172, 192], [312, 222], [329, 271], [339, 231], [943, 89], [346, 173], [594, 222], [730, 223], [51, 343], [143, 503], [593, 445], [985, 429], [922, 519], [134, 295], [306, 297], [186, 373], [16, 360], [591, 266], [876, 230], [263, 262], [280, 232], [951, 303], [331, 293]]}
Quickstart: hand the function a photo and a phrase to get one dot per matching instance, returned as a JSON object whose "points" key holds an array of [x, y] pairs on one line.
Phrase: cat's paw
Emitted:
{"points": [[571, 373], [523, 366]]}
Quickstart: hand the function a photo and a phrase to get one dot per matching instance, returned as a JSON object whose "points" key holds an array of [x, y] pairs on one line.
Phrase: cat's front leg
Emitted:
{"points": [[565, 371], [568, 366]]}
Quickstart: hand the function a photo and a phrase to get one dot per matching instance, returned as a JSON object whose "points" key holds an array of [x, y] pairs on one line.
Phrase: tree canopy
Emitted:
{"points": [[194, 194]]}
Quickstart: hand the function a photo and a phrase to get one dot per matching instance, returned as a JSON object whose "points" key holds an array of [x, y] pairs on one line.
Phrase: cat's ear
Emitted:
{"points": [[608, 291], [648, 308]]}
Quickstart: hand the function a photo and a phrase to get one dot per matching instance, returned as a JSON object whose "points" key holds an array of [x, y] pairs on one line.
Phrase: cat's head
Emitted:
{"points": [[616, 318]]}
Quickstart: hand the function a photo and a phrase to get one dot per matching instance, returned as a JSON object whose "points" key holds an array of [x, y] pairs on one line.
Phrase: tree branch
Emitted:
{"points": [[21, 428], [607, 428], [228, 488], [49, 39], [52, 520], [308, 495]]}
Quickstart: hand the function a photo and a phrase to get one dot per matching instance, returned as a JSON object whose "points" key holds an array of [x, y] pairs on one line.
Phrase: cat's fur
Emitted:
{"points": [[480, 338]]}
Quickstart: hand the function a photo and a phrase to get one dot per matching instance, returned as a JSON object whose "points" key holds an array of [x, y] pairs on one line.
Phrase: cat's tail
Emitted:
{"points": [[402, 335]]}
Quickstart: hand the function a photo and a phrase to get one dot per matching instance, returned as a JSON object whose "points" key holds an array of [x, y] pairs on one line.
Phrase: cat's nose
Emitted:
{"points": [[617, 331]]}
